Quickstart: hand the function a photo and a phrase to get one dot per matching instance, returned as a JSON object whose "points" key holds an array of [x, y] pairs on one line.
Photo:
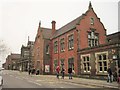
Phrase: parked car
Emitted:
{"points": [[1, 80]]}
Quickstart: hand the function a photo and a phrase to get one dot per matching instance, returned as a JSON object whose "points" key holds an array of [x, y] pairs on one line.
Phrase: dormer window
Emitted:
{"points": [[92, 21]]}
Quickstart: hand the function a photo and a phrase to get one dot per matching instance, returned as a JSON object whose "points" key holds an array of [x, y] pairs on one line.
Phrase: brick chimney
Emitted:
{"points": [[53, 27]]}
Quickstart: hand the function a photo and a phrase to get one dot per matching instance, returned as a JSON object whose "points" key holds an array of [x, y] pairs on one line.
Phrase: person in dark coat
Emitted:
{"points": [[109, 74], [37, 72], [115, 75], [63, 72], [70, 72], [29, 71]]}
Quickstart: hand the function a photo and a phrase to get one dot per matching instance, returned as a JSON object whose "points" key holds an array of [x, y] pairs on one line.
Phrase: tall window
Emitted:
{"points": [[38, 52], [70, 42], [62, 45], [55, 64], [47, 49], [92, 39], [86, 63], [102, 62], [61, 63], [26, 53], [56, 47], [71, 63]]}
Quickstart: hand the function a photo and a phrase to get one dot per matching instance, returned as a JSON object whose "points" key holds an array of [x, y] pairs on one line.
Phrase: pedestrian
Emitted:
{"points": [[29, 71], [37, 72], [110, 76], [115, 75], [118, 79], [70, 72], [63, 72], [57, 71]]}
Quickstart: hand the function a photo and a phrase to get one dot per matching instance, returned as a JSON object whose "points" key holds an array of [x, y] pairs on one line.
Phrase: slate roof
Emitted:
{"points": [[46, 32], [67, 27], [15, 56], [71, 25]]}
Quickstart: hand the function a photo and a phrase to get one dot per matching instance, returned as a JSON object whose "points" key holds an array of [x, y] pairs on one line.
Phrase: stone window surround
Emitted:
{"points": [[96, 62], [82, 66]]}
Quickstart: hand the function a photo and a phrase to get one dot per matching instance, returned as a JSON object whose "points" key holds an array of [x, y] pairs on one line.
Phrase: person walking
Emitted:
{"points": [[63, 72], [118, 79], [70, 72], [57, 71], [115, 75], [29, 71], [109, 74]]}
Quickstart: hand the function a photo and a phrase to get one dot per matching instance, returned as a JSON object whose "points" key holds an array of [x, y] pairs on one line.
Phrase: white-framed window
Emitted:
{"points": [[61, 63], [102, 62], [92, 21], [86, 63], [26, 53], [93, 39], [55, 64], [47, 49], [62, 45], [70, 42], [56, 47], [71, 63]]}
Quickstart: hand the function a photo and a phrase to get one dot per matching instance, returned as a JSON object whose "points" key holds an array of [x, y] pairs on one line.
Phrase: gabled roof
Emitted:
{"points": [[72, 25], [15, 56], [67, 27], [46, 32]]}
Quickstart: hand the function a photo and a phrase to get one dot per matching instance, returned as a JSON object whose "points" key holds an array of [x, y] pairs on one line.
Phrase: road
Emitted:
{"points": [[15, 79]]}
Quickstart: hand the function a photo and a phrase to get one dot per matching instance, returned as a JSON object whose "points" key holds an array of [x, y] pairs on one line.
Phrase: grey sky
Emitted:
{"points": [[20, 18]]}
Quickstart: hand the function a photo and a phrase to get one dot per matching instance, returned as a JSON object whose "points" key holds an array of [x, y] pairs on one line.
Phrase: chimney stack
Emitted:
{"points": [[53, 27]]}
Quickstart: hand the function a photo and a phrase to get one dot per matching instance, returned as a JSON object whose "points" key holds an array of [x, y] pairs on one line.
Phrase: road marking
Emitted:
{"points": [[39, 80]]}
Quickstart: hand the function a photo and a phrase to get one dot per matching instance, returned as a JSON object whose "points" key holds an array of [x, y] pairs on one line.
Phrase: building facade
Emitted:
{"points": [[81, 44], [12, 61], [83, 32], [26, 56], [42, 50]]}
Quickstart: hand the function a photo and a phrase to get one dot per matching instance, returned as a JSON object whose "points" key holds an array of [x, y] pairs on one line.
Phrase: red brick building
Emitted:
{"points": [[41, 50], [81, 44], [76, 35], [12, 61]]}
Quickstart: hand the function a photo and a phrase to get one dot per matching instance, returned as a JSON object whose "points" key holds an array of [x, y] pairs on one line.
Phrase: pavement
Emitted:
{"points": [[83, 81]]}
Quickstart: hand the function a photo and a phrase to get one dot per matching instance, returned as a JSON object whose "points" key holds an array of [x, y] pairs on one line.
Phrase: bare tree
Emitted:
{"points": [[4, 50], [3, 47]]}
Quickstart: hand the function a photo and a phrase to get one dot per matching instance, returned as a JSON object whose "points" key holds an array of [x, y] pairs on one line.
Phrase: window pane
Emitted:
{"points": [[88, 68], [84, 64], [105, 68], [87, 58], [100, 57], [84, 58], [100, 68], [100, 63], [88, 64], [105, 63], [104, 57]]}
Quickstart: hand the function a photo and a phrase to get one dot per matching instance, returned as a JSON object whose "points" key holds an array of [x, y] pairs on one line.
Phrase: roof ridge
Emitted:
{"points": [[46, 28]]}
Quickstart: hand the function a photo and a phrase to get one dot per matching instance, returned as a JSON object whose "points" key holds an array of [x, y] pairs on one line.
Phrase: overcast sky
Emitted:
{"points": [[20, 18]]}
